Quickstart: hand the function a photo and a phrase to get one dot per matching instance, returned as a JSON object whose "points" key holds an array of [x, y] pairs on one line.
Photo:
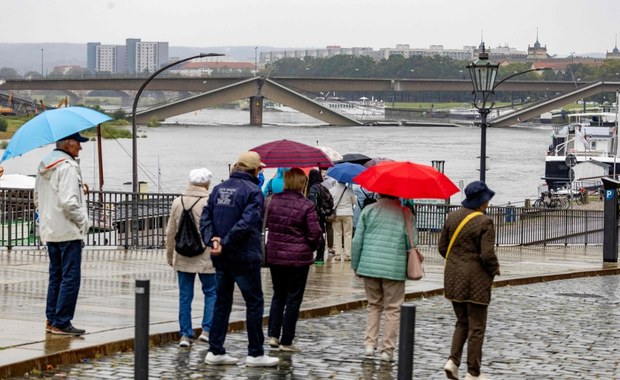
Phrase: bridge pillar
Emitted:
{"points": [[256, 110]]}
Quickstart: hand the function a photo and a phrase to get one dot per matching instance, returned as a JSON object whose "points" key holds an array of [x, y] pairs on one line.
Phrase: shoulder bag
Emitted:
{"points": [[415, 259], [332, 217], [459, 228]]}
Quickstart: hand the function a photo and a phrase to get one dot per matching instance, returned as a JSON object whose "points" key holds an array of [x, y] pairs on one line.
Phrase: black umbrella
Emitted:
{"points": [[355, 158]]}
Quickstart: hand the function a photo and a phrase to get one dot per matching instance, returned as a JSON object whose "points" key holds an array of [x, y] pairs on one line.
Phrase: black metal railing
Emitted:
{"points": [[111, 215], [113, 223]]}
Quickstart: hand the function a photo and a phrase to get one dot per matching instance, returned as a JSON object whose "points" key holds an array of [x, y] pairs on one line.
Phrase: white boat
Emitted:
{"points": [[472, 116], [589, 137], [363, 108]]}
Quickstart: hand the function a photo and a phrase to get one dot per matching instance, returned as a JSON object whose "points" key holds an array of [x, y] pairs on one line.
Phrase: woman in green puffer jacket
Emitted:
{"points": [[379, 256]]}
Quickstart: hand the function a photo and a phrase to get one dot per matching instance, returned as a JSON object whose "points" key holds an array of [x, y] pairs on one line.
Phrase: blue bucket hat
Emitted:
{"points": [[477, 193]]}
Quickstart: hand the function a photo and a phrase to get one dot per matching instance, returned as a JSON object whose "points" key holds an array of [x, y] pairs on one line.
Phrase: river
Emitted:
{"points": [[517, 154]]}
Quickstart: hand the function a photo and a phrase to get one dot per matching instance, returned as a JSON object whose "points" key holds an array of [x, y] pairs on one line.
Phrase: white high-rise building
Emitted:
{"points": [[110, 58], [150, 56]]}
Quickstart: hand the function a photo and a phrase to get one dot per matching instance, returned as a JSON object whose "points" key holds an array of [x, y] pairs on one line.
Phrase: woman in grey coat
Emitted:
{"points": [[188, 267], [471, 265]]}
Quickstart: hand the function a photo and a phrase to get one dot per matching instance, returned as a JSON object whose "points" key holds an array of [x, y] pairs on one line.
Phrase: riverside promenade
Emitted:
{"points": [[106, 303]]}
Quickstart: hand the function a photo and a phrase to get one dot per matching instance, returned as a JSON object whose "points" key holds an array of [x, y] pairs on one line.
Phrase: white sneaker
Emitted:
{"points": [[369, 352], [185, 342], [261, 361], [204, 336], [274, 342], [220, 359], [452, 371], [479, 377], [387, 356]]}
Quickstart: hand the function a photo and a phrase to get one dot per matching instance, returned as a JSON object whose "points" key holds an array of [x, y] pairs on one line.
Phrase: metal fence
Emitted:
{"points": [[111, 216], [520, 225], [113, 225]]}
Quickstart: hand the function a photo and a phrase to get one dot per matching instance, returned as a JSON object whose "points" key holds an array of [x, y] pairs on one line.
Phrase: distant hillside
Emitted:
{"points": [[27, 57]]}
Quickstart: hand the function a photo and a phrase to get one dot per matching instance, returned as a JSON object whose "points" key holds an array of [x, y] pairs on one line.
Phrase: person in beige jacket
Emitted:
{"points": [[188, 267]]}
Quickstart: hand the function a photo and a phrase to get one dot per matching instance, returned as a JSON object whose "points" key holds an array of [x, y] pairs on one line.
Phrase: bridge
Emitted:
{"points": [[288, 91]]}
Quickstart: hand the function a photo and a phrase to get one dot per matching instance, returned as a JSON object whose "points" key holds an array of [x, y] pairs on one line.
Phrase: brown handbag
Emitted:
{"points": [[415, 259]]}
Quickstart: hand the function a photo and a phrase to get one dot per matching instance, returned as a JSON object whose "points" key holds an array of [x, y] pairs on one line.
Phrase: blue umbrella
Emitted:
{"points": [[345, 171], [51, 126]]}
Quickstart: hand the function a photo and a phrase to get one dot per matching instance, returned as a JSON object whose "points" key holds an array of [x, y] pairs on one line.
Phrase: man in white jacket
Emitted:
{"points": [[63, 223]]}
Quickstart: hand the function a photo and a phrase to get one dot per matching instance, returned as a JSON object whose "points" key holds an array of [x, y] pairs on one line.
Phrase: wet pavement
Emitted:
{"points": [[546, 330], [566, 329]]}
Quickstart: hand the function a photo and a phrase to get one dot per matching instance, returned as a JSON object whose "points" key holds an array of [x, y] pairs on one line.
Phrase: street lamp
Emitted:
{"points": [[483, 74], [134, 129]]}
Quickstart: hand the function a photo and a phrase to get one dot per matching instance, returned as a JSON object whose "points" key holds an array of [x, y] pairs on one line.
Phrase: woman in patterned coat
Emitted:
{"points": [[470, 268]]}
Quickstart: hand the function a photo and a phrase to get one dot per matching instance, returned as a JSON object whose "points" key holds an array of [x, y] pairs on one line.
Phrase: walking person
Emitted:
{"points": [[294, 234], [194, 199], [467, 242], [379, 256], [344, 201], [63, 221], [231, 225], [324, 206]]}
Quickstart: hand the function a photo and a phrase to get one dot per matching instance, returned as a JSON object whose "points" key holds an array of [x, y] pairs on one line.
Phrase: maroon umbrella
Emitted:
{"points": [[289, 154]]}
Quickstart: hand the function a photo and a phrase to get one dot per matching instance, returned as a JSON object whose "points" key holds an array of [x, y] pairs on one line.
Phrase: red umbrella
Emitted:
{"points": [[406, 180], [289, 154]]}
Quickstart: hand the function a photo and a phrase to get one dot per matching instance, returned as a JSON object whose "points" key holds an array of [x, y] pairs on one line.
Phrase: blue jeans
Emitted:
{"points": [[64, 281], [186, 296], [250, 285], [289, 284]]}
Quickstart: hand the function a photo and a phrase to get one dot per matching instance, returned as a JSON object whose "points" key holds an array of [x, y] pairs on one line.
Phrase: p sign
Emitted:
{"points": [[609, 194]]}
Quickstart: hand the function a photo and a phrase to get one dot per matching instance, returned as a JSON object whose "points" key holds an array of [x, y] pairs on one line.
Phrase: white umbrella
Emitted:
{"points": [[331, 153]]}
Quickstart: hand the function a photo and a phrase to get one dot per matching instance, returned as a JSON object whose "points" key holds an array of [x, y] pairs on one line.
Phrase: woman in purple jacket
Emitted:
{"points": [[294, 235]]}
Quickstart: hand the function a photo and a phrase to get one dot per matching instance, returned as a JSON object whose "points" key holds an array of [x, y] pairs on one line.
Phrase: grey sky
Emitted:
{"points": [[565, 26]]}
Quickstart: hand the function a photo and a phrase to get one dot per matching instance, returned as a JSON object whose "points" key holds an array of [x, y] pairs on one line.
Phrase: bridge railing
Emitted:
{"points": [[111, 216]]}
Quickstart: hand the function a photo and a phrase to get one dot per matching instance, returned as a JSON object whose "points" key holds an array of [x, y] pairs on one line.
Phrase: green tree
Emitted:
{"points": [[4, 125], [8, 73]]}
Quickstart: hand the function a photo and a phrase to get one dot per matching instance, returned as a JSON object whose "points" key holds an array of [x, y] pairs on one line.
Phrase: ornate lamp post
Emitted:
{"points": [[483, 73]]}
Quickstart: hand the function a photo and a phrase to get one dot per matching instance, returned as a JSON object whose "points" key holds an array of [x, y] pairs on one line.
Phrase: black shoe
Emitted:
{"points": [[68, 330]]}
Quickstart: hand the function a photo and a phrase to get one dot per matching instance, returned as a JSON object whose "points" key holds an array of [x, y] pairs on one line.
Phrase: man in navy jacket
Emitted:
{"points": [[231, 225]]}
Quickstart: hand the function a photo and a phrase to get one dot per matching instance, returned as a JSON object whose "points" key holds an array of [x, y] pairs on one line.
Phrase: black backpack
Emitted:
{"points": [[188, 241], [325, 202]]}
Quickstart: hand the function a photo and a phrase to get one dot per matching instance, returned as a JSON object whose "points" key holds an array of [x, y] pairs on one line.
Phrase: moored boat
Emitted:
{"points": [[583, 151]]}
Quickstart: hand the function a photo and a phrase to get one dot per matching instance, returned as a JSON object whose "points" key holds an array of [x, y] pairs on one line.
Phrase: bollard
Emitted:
{"points": [[406, 342], [141, 340], [528, 203]]}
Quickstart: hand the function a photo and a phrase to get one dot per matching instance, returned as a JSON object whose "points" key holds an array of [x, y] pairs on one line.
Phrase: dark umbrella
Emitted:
{"points": [[289, 154], [356, 158], [375, 160]]}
